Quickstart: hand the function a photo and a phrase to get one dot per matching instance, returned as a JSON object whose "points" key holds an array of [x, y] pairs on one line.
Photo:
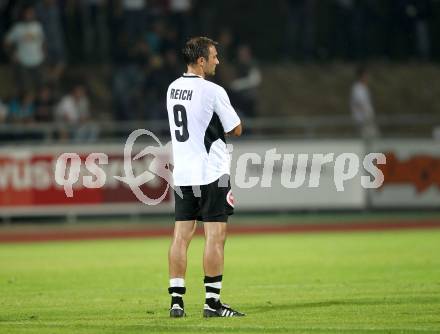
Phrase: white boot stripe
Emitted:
{"points": [[212, 295], [206, 307]]}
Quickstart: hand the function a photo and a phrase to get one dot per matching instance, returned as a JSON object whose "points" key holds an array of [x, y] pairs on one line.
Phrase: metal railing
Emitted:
{"points": [[337, 126]]}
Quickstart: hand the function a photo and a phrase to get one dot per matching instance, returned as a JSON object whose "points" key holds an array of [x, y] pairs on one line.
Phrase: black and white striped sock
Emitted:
{"points": [[177, 290], [213, 285]]}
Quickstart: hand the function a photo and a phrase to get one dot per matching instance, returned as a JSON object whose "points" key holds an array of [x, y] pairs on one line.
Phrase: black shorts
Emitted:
{"points": [[207, 203]]}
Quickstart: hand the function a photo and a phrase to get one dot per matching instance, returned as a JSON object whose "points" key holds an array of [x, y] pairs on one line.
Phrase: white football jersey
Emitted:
{"points": [[199, 113]]}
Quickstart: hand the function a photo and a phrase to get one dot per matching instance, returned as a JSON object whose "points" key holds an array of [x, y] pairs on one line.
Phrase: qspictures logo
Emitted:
{"points": [[136, 173], [296, 170]]}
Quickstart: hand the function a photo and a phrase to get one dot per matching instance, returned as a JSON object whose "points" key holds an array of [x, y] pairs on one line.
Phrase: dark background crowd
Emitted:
{"points": [[55, 48]]}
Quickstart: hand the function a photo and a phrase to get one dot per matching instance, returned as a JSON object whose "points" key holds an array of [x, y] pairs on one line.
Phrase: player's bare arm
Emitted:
{"points": [[237, 131]]}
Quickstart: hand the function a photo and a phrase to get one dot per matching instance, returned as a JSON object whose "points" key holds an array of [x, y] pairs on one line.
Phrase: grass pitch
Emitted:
{"points": [[387, 282]]}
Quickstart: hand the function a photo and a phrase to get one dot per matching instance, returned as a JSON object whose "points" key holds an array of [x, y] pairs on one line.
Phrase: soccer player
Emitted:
{"points": [[200, 116]]}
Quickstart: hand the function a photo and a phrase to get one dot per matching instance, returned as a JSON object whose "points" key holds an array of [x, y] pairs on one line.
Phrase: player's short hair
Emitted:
{"points": [[197, 47]]}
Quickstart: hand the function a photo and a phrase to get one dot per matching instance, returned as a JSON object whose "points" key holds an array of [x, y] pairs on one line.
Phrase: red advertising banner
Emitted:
{"points": [[27, 180], [411, 174]]}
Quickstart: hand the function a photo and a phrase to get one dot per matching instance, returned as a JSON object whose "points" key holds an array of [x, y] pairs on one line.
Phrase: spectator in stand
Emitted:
{"points": [[226, 43], [409, 30], [361, 105], [25, 40], [157, 9], [342, 40], [73, 111], [128, 78], [181, 18], [72, 22], [3, 112], [156, 36], [44, 105], [135, 18], [224, 74], [96, 31], [300, 29], [49, 16], [22, 109], [418, 12], [248, 78], [74, 107], [170, 40], [205, 16], [157, 82]]}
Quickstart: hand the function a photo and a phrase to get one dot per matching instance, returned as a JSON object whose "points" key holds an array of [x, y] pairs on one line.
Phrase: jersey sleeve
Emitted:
{"points": [[225, 111]]}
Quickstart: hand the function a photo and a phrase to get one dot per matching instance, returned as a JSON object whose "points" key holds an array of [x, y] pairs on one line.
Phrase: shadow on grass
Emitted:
{"points": [[269, 307]]}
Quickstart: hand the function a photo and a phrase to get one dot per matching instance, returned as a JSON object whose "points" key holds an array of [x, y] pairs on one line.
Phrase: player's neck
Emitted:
{"points": [[196, 71]]}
